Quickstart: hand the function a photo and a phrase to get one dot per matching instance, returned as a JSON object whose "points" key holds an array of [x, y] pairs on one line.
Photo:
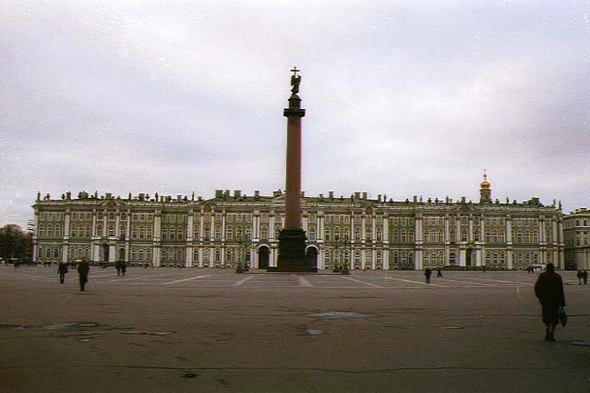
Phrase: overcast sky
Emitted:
{"points": [[403, 98]]}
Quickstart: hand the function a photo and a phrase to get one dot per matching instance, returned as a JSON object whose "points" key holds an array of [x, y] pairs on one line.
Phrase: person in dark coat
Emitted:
{"points": [[549, 291], [580, 275], [439, 272], [83, 270], [118, 267], [62, 269], [123, 268], [585, 277], [427, 273]]}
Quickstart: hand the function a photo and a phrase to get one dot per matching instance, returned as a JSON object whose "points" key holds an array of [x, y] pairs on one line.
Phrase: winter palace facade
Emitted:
{"points": [[360, 232]]}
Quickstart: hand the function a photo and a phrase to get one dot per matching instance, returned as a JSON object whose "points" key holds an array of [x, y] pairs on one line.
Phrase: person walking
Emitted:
{"points": [[83, 270], [585, 276], [439, 272], [123, 268], [427, 273], [580, 275], [62, 269], [549, 291], [118, 267]]}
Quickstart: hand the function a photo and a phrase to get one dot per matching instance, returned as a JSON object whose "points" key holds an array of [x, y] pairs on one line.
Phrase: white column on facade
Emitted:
{"points": [[470, 230], [67, 225], [374, 235], [273, 256], [386, 229], [157, 225], [190, 226], [117, 229], [320, 228], [321, 256], [112, 253], [363, 234], [189, 238], [418, 241], [66, 236], [462, 256], [223, 222], [96, 252], [271, 226], [156, 256]]}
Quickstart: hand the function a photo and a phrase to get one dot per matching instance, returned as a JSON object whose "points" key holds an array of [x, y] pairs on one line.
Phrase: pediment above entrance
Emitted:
{"points": [[467, 208]]}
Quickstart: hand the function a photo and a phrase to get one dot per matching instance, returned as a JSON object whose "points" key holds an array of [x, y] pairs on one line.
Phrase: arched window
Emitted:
{"points": [[426, 259], [180, 233], [230, 232], [426, 235], [49, 230]]}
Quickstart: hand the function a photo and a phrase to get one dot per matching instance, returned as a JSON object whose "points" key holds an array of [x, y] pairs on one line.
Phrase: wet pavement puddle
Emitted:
{"points": [[339, 315]]}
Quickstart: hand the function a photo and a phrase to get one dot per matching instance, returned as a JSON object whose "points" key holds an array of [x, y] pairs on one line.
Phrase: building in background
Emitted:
{"points": [[576, 233], [360, 232]]}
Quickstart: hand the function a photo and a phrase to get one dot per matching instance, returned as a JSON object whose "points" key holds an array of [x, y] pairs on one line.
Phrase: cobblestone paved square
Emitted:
{"points": [[210, 330]]}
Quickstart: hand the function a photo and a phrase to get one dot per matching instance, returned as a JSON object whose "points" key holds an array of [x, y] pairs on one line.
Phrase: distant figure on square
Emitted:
{"points": [[439, 272], [580, 275], [62, 269], [585, 276], [118, 267], [427, 273], [549, 291], [83, 270], [123, 268]]}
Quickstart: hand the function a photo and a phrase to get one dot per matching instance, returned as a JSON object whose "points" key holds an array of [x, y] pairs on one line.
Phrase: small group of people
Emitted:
{"points": [[121, 268], [428, 273], [83, 270], [530, 269], [582, 276]]}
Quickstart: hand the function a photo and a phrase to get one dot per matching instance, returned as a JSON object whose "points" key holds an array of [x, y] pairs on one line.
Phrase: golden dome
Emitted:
{"points": [[484, 184]]}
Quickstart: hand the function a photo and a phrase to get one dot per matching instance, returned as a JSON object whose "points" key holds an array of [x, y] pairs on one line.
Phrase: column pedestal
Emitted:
{"points": [[292, 256]]}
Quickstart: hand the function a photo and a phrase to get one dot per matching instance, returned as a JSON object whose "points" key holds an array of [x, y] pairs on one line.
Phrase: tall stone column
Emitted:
{"points": [[292, 237]]}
